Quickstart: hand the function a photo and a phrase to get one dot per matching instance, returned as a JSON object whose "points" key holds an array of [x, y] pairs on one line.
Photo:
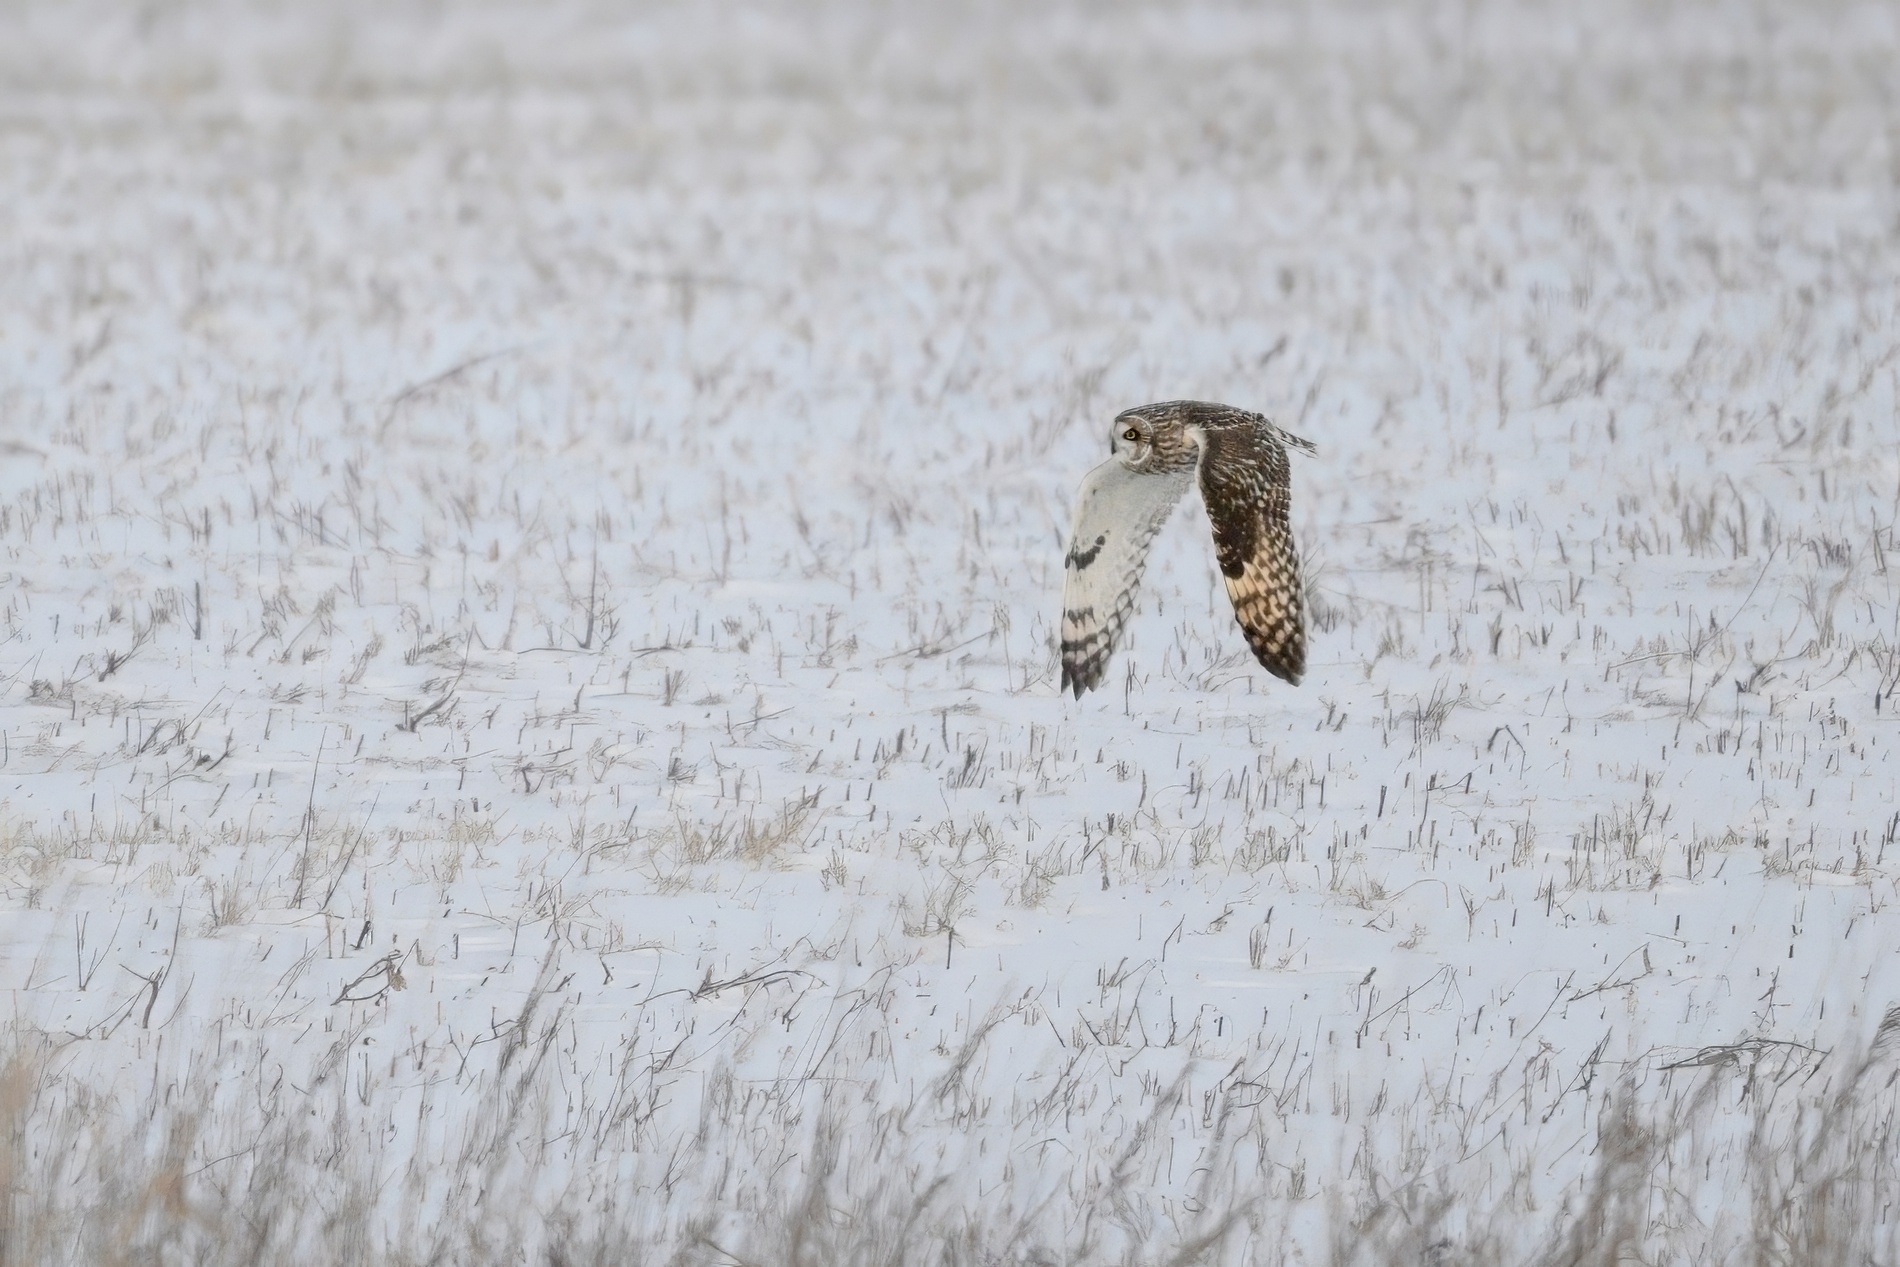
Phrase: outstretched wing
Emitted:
{"points": [[1244, 481], [1117, 514]]}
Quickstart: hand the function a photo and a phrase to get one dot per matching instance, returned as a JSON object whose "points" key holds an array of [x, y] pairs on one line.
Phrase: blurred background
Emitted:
{"points": [[529, 538]]}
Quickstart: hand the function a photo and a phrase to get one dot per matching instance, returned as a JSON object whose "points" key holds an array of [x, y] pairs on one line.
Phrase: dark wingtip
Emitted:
{"points": [[1074, 679], [1275, 660]]}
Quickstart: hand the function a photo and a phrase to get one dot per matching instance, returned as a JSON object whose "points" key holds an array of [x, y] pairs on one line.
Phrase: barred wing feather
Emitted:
{"points": [[1117, 513], [1244, 483]]}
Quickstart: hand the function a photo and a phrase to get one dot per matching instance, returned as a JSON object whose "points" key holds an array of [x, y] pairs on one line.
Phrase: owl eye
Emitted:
{"points": [[1131, 434]]}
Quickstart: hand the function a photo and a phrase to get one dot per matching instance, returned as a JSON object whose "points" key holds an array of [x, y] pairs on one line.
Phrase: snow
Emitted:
{"points": [[531, 541]]}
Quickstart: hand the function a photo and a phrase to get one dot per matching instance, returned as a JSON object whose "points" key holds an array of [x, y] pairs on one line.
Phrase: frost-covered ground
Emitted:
{"points": [[530, 539]]}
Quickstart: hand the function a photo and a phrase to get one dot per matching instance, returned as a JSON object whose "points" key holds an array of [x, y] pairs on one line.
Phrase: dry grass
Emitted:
{"points": [[501, 487], [1753, 1153]]}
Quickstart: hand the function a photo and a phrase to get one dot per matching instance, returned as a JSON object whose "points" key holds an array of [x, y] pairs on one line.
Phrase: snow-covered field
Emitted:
{"points": [[529, 543]]}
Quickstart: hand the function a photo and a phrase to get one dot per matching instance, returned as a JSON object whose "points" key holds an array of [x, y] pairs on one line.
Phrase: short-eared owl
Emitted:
{"points": [[1157, 450]]}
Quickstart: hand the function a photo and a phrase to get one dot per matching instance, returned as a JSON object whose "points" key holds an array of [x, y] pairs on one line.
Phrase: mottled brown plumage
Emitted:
{"points": [[1241, 461]]}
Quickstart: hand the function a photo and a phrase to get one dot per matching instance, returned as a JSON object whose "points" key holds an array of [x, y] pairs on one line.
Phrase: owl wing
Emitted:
{"points": [[1117, 514], [1245, 484]]}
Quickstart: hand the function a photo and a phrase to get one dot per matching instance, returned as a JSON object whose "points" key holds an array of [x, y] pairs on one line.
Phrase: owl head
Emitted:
{"points": [[1152, 439]]}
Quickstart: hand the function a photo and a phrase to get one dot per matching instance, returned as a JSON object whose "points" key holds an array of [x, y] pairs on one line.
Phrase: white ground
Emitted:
{"points": [[541, 508]]}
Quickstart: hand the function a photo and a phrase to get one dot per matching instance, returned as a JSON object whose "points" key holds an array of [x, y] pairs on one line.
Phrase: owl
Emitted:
{"points": [[1240, 461]]}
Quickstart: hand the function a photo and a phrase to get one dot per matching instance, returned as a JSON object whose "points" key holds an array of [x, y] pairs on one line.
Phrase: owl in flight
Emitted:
{"points": [[1157, 451]]}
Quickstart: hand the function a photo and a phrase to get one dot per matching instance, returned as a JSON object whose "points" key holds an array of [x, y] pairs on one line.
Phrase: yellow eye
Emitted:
{"points": [[1131, 434]]}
